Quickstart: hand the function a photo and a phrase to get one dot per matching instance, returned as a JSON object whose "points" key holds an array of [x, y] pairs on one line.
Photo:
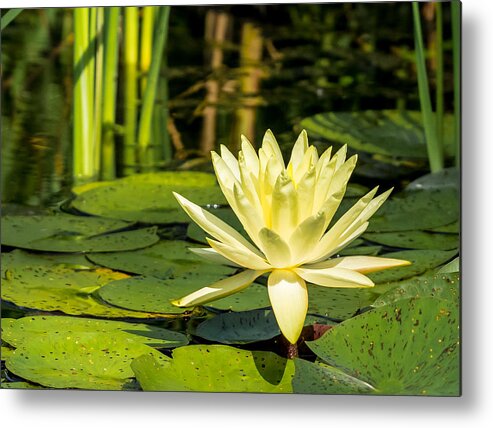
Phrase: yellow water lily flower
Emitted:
{"points": [[285, 210]]}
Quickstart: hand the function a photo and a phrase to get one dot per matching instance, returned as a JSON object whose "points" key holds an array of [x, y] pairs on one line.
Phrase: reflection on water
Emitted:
{"points": [[231, 70]]}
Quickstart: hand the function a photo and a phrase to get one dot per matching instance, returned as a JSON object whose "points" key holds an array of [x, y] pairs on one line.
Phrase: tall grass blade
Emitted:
{"points": [[9, 17], [435, 155], [439, 100], [456, 49]]}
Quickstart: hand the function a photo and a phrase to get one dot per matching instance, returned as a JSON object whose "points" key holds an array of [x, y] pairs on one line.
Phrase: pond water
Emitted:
{"points": [[90, 267]]}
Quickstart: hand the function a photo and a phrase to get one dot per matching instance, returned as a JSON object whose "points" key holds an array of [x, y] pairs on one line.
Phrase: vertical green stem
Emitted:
{"points": [[146, 33], [435, 155], [439, 74], [144, 136], [112, 16], [456, 36], [98, 89], [83, 114], [130, 113]]}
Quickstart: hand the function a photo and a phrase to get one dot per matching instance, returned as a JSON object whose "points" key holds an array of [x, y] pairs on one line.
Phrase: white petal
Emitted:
{"points": [[213, 256], [275, 248], [334, 277], [240, 256], [251, 158], [289, 298], [269, 144], [231, 161], [361, 264], [220, 289], [299, 149], [284, 210], [305, 237], [214, 226]]}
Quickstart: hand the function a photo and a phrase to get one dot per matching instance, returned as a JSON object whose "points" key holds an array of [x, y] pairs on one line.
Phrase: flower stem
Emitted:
{"points": [[292, 351]]}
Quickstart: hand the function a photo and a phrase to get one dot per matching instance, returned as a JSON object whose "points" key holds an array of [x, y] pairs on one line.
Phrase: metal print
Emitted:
{"points": [[237, 198]]}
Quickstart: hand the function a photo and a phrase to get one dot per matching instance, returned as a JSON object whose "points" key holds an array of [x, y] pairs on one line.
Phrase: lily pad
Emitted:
{"points": [[440, 285], [21, 259], [49, 287], [68, 233], [415, 239], [163, 260], [245, 327], [361, 250], [152, 294], [446, 178], [421, 261], [196, 233], [319, 378], [449, 228], [408, 348], [145, 202], [216, 368], [450, 267], [417, 210], [83, 360], [387, 132], [20, 332]]}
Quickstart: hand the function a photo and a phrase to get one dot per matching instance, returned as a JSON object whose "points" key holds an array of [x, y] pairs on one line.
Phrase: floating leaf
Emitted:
{"points": [[449, 228], [83, 360], [216, 368], [417, 210], [162, 260], [49, 287], [421, 261], [68, 233], [21, 259], [387, 132], [20, 332], [415, 239], [319, 378], [152, 294], [453, 266], [408, 348], [446, 178], [361, 250], [245, 327], [440, 285], [155, 202]]}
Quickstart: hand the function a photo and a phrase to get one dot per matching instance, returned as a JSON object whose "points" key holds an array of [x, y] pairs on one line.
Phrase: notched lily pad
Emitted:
{"points": [[216, 368], [68, 233], [407, 348], [80, 360]]}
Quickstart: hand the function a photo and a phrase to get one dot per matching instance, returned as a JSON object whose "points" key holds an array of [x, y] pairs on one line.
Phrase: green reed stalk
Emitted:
{"points": [[83, 168], [131, 55], [146, 34], [456, 36], [439, 100], [435, 155], [98, 87], [110, 74], [144, 137], [9, 17]]}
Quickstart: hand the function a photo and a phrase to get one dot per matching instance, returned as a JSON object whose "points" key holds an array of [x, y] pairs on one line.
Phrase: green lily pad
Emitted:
{"points": [[163, 260], [196, 233], [449, 228], [68, 233], [6, 351], [152, 294], [417, 210], [319, 378], [450, 267], [145, 202], [415, 239], [216, 368], [82, 360], [21, 331], [440, 285], [338, 303], [421, 261], [21, 259], [446, 178], [361, 250], [387, 132], [49, 287], [245, 327], [19, 385], [408, 348]]}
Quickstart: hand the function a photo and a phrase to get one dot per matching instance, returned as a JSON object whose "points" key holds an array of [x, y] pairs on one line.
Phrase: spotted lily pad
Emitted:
{"points": [[245, 327], [387, 132], [84, 360], [163, 260], [20, 259], [216, 368], [408, 348], [68, 233], [319, 378], [440, 285], [150, 294], [421, 261], [415, 239], [155, 203], [49, 287], [21, 331]]}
